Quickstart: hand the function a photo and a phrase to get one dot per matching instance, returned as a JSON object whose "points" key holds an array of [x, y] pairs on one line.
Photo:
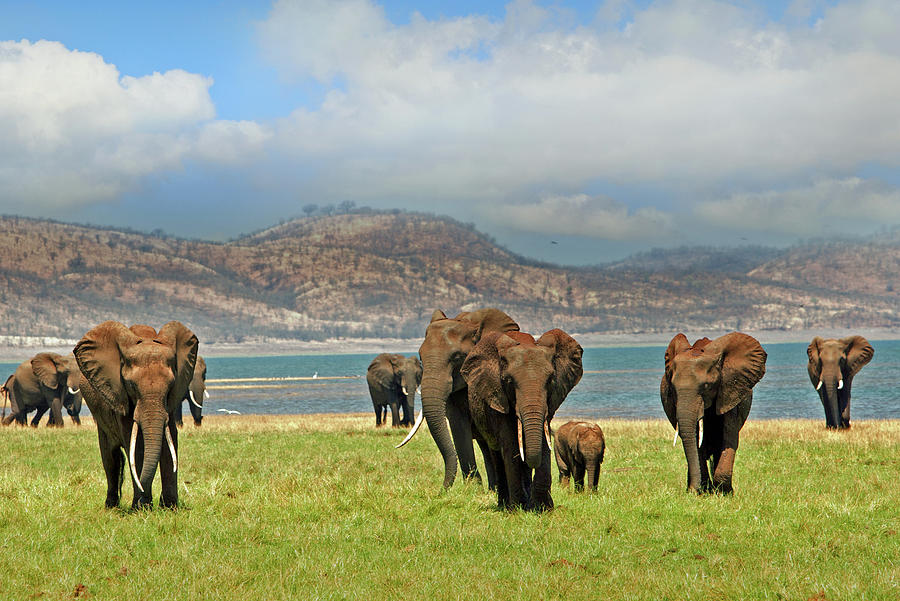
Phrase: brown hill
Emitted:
{"points": [[382, 274]]}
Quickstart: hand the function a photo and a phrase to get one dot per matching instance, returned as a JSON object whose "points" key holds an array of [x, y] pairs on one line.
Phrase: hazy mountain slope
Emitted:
{"points": [[377, 274]]}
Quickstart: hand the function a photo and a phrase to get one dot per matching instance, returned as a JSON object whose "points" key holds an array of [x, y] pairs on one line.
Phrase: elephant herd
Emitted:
{"points": [[482, 381]]}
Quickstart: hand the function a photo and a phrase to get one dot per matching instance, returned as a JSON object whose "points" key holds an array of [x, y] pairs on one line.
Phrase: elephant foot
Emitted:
{"points": [[111, 502], [168, 503], [197, 423], [543, 504]]}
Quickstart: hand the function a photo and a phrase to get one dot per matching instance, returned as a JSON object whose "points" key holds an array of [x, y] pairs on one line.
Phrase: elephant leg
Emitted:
{"points": [[513, 468], [563, 467], [111, 456], [169, 495], [540, 485], [732, 422], [56, 418], [377, 415], [844, 405], [501, 485], [38, 415], [491, 465], [578, 475], [461, 431], [179, 418], [395, 414]]}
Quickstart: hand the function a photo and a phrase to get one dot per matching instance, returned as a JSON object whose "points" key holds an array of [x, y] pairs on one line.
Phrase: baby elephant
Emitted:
{"points": [[579, 447]]}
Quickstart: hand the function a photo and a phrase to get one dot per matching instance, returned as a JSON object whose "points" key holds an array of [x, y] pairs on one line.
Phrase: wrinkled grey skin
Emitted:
{"points": [[43, 383], [579, 448], [196, 394], [393, 380], [136, 378], [832, 365], [712, 381], [516, 385], [444, 392]]}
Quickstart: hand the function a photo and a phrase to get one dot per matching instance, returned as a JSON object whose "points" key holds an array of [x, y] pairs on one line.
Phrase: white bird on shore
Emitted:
{"points": [[229, 411], [315, 375]]}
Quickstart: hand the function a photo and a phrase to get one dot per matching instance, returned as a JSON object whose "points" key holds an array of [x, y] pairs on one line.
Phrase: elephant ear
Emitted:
{"points": [[200, 368], [567, 367], [185, 343], [859, 352], [437, 316], [743, 365], [812, 351], [418, 365], [489, 320], [100, 360], [666, 391], [45, 369], [481, 370]]}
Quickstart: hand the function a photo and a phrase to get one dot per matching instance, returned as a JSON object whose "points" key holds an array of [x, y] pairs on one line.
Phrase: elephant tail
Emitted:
{"points": [[412, 432]]}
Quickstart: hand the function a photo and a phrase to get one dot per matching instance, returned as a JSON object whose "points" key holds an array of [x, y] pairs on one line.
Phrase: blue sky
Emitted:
{"points": [[607, 127]]}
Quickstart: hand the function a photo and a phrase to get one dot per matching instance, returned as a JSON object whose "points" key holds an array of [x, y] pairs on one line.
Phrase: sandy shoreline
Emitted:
{"points": [[11, 354]]}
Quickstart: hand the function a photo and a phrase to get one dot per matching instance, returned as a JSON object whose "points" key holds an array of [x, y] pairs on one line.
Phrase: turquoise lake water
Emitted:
{"points": [[618, 382]]}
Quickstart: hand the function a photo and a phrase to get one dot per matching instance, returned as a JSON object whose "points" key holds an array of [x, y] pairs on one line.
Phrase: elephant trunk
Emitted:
{"points": [[152, 425], [532, 424], [687, 416], [832, 381], [592, 472], [435, 392]]}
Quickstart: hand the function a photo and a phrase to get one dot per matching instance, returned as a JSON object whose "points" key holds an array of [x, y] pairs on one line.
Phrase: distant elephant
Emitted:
{"points": [[134, 380], [712, 381], [47, 381], [832, 365], [444, 393], [515, 387], [579, 449], [393, 380], [196, 395]]}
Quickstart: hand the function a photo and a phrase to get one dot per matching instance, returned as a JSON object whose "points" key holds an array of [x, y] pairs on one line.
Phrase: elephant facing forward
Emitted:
{"points": [[47, 381], [448, 341], [134, 380], [711, 380], [393, 380], [832, 366], [579, 449], [516, 384]]}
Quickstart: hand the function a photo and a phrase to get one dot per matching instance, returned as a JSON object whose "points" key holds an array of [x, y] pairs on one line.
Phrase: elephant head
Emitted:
{"points": [[409, 372], [516, 376], [197, 391], [832, 365], [446, 345], [139, 373], [708, 378]]}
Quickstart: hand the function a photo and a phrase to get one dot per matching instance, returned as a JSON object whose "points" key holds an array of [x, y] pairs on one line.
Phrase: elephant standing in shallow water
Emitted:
{"points": [[47, 381], [393, 381], [134, 380], [515, 387], [711, 380], [832, 365]]}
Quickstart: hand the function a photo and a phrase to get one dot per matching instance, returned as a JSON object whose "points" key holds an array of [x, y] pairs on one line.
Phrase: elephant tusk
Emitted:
{"points": [[76, 391], [700, 438], [521, 447], [674, 440], [403, 389], [205, 394], [840, 384], [134, 433], [171, 448], [819, 385], [419, 389], [191, 396], [547, 435], [412, 432]]}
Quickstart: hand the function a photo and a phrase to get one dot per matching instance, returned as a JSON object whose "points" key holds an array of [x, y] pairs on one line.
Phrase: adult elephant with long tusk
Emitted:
{"points": [[711, 380], [196, 394], [133, 381], [444, 392], [832, 365], [515, 387]]}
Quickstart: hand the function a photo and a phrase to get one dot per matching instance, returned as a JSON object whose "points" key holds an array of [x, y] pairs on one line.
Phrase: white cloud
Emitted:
{"points": [[850, 206], [76, 132], [581, 215], [690, 91]]}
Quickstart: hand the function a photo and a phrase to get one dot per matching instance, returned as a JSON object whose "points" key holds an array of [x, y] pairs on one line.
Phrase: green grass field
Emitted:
{"points": [[323, 507]]}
